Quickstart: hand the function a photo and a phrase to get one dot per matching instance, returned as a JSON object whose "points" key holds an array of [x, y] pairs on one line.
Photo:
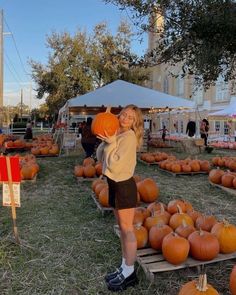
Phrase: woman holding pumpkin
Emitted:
{"points": [[118, 154]]}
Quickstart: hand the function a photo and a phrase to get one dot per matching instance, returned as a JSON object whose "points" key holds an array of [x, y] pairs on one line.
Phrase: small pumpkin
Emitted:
{"points": [[198, 287], [141, 235], [148, 190], [232, 281]]}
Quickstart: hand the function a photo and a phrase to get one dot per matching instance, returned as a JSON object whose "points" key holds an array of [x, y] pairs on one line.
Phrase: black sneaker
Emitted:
{"points": [[120, 283], [112, 275]]}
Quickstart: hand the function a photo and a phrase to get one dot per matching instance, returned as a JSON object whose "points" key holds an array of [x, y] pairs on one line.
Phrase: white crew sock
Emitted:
{"points": [[123, 263], [127, 270]]}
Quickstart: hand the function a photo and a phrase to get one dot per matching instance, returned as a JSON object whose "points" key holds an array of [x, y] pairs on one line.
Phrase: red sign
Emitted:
{"points": [[15, 169]]}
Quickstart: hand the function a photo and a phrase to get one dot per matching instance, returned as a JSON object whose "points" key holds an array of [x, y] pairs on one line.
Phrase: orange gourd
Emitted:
{"points": [[215, 175], [157, 234], [105, 122]]}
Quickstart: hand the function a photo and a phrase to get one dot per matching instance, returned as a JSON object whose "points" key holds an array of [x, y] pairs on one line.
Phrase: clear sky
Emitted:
{"points": [[31, 21]]}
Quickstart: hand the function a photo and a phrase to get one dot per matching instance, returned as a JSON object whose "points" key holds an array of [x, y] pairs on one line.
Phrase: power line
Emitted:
{"points": [[13, 67], [18, 53]]}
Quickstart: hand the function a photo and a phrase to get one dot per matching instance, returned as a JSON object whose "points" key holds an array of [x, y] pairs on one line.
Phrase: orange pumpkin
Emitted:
{"points": [[148, 190], [105, 123], [205, 222], [203, 245], [157, 234], [232, 281], [79, 171], [88, 161], [177, 254], [141, 235], [198, 287], [226, 235], [103, 197], [215, 175], [89, 171]]}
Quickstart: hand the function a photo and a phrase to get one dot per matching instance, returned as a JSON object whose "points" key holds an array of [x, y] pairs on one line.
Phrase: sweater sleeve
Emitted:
{"points": [[121, 153], [100, 151]]}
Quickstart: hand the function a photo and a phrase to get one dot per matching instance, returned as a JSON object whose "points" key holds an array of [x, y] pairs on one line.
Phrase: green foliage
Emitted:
{"points": [[81, 63], [198, 33]]}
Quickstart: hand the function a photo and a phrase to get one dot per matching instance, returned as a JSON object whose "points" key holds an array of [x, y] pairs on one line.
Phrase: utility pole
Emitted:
{"points": [[21, 104]]}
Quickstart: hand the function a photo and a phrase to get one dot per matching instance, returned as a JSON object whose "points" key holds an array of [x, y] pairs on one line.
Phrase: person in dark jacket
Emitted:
{"points": [[204, 128], [88, 139], [28, 132], [191, 128]]}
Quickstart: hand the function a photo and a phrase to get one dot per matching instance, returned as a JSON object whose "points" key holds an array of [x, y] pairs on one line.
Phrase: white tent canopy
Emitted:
{"points": [[229, 111], [121, 93]]}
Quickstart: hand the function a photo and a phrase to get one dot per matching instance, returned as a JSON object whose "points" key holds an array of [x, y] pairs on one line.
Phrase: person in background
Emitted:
{"points": [[88, 139], [204, 128], [28, 132], [163, 134], [191, 128], [80, 128], [118, 155]]}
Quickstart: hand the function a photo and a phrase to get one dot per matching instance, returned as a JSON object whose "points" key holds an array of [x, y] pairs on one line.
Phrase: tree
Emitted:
{"points": [[200, 34], [85, 62]]}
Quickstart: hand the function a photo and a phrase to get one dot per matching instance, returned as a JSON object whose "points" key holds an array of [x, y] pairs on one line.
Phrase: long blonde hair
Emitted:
{"points": [[138, 123]]}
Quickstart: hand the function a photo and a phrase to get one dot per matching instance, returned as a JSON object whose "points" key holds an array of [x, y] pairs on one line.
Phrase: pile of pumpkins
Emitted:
{"points": [[224, 178], [179, 231], [18, 143], [155, 157], [202, 236], [156, 142], [187, 165], [228, 162], [224, 145], [147, 190], [28, 167], [44, 145], [88, 169]]}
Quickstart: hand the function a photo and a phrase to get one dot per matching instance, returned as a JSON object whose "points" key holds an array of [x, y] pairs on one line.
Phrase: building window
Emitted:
{"points": [[217, 126], [180, 86], [222, 89], [226, 128], [197, 95], [166, 85]]}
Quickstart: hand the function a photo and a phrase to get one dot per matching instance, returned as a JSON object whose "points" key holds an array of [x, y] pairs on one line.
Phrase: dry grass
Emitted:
{"points": [[68, 246]]}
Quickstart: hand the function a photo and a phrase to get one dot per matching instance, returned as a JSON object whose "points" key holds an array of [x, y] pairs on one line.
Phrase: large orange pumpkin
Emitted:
{"points": [[157, 234], [179, 252], [197, 287], [226, 235], [148, 190], [215, 175], [203, 245], [232, 281], [105, 122]]}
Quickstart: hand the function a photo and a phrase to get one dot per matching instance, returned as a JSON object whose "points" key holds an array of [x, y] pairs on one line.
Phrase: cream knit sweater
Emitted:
{"points": [[118, 156]]}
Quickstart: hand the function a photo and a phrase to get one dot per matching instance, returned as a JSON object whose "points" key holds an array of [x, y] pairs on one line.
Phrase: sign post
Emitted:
{"points": [[10, 176]]}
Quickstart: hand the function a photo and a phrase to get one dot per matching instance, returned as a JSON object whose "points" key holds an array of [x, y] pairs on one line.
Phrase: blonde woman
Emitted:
{"points": [[118, 155]]}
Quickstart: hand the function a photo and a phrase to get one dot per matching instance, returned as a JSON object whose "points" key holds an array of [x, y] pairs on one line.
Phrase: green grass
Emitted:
{"points": [[67, 246]]}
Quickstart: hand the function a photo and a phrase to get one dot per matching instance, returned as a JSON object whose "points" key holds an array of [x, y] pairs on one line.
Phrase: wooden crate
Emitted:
{"points": [[183, 173], [153, 261], [100, 207], [146, 163], [231, 191]]}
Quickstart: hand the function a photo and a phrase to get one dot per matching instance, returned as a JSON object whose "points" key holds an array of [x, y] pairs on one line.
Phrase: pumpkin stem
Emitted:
{"points": [[202, 283], [108, 109]]}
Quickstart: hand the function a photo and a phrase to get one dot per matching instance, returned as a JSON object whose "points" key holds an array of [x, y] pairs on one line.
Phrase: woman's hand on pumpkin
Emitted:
{"points": [[107, 138]]}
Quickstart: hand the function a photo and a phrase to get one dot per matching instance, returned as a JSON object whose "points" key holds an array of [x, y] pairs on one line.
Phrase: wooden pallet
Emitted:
{"points": [[100, 207], [231, 191], [146, 163], [153, 261], [183, 173], [46, 156]]}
